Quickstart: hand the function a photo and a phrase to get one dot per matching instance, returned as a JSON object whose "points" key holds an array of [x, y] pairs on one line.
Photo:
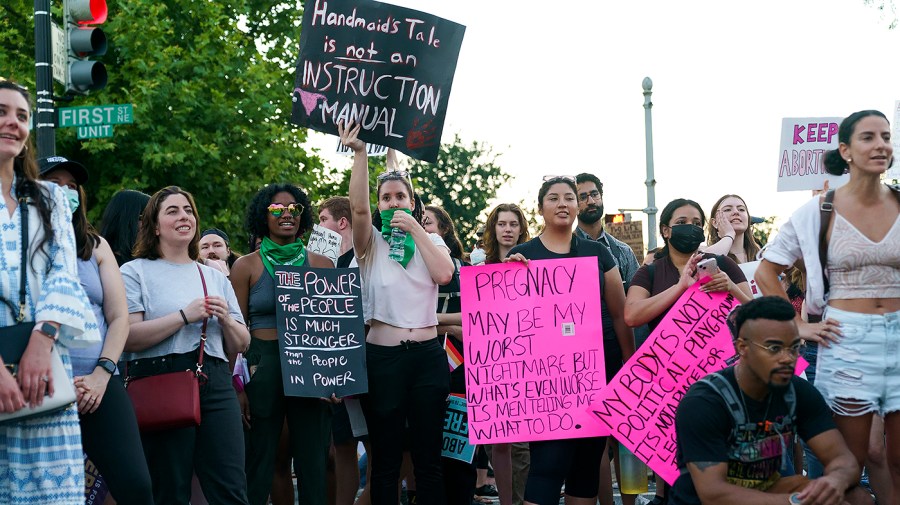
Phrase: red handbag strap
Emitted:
{"points": [[203, 328]]}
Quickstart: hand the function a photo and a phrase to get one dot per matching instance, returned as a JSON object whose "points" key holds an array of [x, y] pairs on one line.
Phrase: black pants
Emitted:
{"points": [[459, 481], [111, 440], [214, 450], [575, 462], [309, 424], [408, 384]]}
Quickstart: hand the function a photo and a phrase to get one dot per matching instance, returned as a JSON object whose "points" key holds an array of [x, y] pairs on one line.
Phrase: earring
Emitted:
{"points": [[849, 160]]}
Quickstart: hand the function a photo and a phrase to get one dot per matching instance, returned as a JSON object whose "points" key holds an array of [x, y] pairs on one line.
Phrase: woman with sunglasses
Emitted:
{"points": [[280, 214], [109, 430], [573, 462], [408, 375], [171, 298]]}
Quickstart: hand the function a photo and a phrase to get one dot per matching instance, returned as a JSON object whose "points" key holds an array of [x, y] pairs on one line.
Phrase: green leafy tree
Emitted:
{"points": [[763, 231], [464, 179], [211, 95]]}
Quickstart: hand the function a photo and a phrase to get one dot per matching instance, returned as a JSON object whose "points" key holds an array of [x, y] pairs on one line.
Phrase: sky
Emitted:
{"points": [[556, 87]]}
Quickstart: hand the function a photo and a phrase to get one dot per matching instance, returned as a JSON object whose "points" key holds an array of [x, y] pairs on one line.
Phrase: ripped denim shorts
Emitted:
{"points": [[861, 374]]}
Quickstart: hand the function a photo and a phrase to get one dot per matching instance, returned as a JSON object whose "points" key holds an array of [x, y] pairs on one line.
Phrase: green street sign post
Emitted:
{"points": [[96, 115], [95, 132]]}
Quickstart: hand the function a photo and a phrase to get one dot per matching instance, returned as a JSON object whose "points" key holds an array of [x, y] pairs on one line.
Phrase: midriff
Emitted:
{"points": [[389, 336], [264, 333], [867, 305]]}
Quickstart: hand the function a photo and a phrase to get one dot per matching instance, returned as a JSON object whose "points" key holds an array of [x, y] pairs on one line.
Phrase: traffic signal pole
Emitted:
{"points": [[45, 118]]}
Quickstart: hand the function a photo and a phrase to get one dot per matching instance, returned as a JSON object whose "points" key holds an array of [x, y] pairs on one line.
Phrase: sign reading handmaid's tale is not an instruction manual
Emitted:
{"points": [[321, 337]]}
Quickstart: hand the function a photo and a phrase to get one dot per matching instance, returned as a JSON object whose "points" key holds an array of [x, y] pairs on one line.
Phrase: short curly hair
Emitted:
{"points": [[258, 210]]}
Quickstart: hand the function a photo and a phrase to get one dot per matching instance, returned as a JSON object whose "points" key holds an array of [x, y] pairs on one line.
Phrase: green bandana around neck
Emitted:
{"points": [[273, 254], [409, 246]]}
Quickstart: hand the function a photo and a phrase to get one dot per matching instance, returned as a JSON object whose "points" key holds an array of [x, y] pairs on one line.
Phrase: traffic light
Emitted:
{"points": [[615, 218], [85, 40]]}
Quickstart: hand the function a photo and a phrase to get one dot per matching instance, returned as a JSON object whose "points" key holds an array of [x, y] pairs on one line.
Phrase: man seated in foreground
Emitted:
{"points": [[735, 428]]}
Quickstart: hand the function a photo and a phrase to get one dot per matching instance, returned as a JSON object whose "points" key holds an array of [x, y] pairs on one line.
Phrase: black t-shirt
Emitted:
{"points": [[665, 275], [345, 259], [534, 250], [449, 302], [704, 427]]}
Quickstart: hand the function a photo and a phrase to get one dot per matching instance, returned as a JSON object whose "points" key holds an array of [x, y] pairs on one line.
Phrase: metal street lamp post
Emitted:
{"points": [[650, 182]]}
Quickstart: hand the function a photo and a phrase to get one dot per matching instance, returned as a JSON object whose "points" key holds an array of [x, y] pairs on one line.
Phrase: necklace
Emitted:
{"points": [[744, 399]]}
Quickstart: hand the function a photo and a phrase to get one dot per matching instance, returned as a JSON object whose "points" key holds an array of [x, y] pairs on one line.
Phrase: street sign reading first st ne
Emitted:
{"points": [[95, 115]]}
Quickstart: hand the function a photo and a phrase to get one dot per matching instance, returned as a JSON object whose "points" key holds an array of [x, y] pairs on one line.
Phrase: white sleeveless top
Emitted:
{"points": [[860, 268]]}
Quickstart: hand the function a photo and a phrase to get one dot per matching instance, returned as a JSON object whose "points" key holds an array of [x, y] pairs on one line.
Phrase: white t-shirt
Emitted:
{"points": [[401, 297]]}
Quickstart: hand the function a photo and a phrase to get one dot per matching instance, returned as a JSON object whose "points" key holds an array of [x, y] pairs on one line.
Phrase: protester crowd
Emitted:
{"points": [[153, 293]]}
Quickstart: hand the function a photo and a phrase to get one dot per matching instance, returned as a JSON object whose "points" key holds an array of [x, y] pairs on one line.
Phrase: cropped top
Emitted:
{"points": [[401, 297], [261, 302], [860, 268], [84, 359]]}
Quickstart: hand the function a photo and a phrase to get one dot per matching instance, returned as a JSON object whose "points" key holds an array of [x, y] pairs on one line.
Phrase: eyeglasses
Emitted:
{"points": [[14, 83], [393, 174], [776, 349], [570, 178], [593, 195], [294, 209]]}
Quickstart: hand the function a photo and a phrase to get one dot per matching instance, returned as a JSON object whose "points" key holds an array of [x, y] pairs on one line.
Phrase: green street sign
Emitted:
{"points": [[94, 115], [95, 132]]}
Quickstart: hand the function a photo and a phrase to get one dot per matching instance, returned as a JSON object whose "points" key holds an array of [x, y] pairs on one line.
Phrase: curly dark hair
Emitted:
{"points": [[775, 308], [258, 210]]}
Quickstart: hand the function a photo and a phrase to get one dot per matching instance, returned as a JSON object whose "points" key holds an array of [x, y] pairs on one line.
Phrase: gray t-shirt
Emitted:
{"points": [[158, 288]]}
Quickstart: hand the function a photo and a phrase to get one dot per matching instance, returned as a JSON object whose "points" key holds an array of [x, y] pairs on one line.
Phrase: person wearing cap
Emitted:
{"points": [[109, 429], [215, 250], [41, 457], [729, 232]]}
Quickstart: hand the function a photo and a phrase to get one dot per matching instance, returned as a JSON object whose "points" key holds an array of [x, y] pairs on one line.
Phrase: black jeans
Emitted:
{"points": [[408, 384], [111, 440], [574, 461], [214, 450], [309, 424]]}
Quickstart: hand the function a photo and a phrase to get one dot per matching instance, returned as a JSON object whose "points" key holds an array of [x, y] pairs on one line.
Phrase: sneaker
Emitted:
{"points": [[486, 491]]}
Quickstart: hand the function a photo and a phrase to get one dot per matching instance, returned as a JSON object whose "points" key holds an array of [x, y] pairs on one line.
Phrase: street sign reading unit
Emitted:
{"points": [[95, 115], [95, 132]]}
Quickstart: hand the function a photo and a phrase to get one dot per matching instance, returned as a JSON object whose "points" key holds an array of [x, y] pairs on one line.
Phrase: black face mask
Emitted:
{"points": [[591, 216], [686, 238]]}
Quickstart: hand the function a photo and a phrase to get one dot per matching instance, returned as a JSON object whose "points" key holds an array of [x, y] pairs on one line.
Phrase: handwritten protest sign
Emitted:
{"points": [[371, 149], [386, 67], [638, 407], [632, 233], [320, 328], [749, 270], [894, 172], [456, 431], [534, 349], [325, 242], [803, 145], [95, 489]]}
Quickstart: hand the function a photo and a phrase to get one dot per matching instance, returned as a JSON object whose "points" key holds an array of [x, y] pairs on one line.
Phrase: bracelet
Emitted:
{"points": [[184, 317], [729, 236]]}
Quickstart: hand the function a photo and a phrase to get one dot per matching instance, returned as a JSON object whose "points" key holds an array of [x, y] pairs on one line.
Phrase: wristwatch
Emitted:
{"points": [[47, 329], [107, 365]]}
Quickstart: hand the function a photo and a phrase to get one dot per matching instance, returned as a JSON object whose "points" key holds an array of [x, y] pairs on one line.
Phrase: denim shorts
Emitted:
{"points": [[861, 373]]}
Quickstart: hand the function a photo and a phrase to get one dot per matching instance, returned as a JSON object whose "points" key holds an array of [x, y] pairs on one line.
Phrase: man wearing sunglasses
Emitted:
{"points": [[736, 427]]}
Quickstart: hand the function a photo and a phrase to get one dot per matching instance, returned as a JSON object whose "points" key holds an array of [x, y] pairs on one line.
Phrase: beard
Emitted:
{"points": [[776, 386], [591, 214]]}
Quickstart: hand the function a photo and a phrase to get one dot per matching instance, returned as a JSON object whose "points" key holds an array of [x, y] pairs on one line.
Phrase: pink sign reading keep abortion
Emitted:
{"points": [[533, 349], [638, 407]]}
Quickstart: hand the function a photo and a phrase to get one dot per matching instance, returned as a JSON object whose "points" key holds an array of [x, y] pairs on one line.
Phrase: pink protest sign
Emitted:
{"points": [[801, 366], [533, 349], [638, 407]]}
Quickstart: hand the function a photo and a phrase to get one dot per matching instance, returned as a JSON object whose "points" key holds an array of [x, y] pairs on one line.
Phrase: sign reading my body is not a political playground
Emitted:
{"points": [[804, 142], [533, 349], [321, 335], [388, 68], [638, 407]]}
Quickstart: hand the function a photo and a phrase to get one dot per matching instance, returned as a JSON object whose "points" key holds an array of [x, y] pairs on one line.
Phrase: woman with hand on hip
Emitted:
{"points": [[407, 367], [170, 298]]}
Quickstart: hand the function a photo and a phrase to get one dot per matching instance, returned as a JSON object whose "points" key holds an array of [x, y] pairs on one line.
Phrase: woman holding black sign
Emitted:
{"points": [[575, 462], [402, 266], [172, 301], [280, 214]]}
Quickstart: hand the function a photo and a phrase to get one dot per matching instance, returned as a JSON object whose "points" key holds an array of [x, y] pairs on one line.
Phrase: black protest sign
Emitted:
{"points": [[321, 337], [388, 68]]}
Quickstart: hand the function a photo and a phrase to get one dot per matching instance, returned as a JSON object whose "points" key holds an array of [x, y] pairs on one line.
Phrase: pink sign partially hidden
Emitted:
{"points": [[533, 349], [638, 407]]}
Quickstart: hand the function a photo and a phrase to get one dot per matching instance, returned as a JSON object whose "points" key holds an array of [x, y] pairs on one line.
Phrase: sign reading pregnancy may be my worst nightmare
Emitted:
{"points": [[533, 349], [386, 67]]}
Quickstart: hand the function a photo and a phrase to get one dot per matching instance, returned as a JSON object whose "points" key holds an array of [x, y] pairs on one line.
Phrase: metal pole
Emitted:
{"points": [[650, 182], [45, 122]]}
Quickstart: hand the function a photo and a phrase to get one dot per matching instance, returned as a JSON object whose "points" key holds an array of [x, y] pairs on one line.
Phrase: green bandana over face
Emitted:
{"points": [[273, 254], [409, 246]]}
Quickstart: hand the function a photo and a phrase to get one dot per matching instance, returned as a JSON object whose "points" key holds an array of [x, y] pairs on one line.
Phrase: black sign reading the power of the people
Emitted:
{"points": [[388, 68], [321, 335]]}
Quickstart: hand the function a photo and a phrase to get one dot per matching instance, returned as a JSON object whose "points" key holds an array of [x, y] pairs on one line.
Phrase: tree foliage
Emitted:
{"points": [[464, 179]]}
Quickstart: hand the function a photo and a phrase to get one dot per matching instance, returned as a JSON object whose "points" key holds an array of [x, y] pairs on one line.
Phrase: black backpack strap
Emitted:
{"points": [[826, 210], [720, 385]]}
